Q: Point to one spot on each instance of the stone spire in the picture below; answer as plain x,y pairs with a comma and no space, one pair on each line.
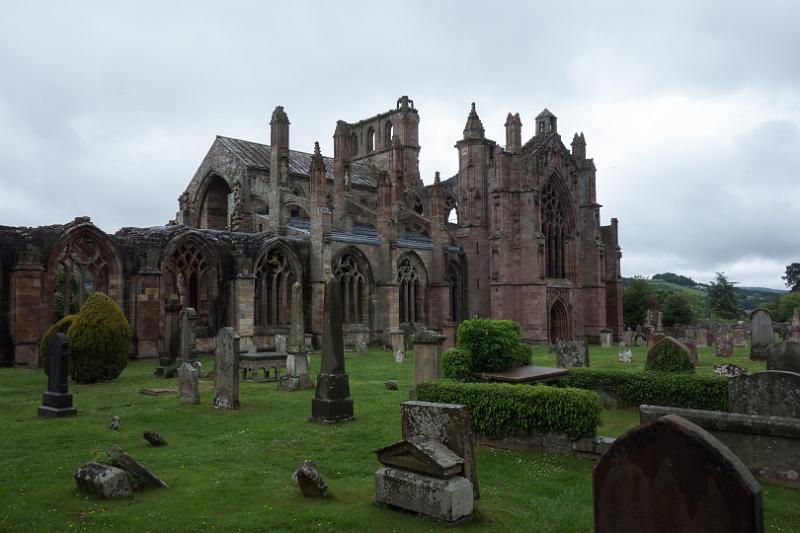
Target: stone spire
317,174
513,132
579,146
474,128
279,128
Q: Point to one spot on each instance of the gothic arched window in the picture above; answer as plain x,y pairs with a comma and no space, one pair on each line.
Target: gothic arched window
354,145
389,134
191,277
555,229
274,280
455,277
354,288
370,140
408,277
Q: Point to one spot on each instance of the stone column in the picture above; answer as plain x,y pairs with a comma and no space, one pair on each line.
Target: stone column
57,401
297,374
226,370
244,290
332,402
427,356
26,307
172,339
188,340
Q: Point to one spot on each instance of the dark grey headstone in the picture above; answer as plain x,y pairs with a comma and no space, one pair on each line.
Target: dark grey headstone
784,356
188,383
188,336
671,475
140,477
154,438
310,480
172,339
57,401
770,393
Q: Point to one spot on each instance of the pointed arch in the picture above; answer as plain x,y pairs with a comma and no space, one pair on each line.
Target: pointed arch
558,322
455,278
412,278
558,226
214,196
276,270
352,269
389,128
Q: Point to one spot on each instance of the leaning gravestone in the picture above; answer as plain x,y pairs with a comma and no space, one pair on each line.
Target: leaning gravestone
141,478
188,384
571,353
57,401
671,475
763,333
770,393
332,402
784,356
226,370
310,480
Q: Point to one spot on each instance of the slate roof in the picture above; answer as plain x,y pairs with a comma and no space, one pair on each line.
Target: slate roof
257,156
536,142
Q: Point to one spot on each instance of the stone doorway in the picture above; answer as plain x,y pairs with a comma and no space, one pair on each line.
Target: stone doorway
559,322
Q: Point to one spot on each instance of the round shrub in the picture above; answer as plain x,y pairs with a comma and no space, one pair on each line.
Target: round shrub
494,345
44,345
456,365
98,341
670,357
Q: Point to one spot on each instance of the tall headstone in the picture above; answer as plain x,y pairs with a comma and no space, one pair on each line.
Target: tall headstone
332,402
739,335
398,340
638,336
226,369
770,393
188,338
724,342
606,338
172,339
628,337
57,401
701,336
297,373
671,475
784,356
571,352
187,383
427,356
763,333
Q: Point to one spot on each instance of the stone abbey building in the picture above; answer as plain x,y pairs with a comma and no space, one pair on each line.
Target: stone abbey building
514,234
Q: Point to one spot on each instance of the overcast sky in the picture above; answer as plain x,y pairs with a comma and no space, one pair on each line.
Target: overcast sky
691,110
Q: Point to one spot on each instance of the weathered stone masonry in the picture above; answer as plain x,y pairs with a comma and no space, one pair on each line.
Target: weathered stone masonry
255,218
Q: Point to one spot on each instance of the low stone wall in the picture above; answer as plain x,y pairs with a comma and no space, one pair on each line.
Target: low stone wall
543,441
768,445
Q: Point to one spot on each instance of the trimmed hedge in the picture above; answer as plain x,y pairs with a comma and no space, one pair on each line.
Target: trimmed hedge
634,388
670,357
505,410
456,364
486,345
99,341
44,345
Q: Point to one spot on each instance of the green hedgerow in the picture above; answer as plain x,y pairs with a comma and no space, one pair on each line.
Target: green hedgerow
99,341
456,364
635,388
44,345
505,410
670,357
493,345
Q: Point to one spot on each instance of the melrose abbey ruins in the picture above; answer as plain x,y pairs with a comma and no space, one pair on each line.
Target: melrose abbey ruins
514,234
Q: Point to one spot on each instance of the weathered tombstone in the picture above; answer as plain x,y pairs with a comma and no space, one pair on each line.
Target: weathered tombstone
701,336
57,401
638,337
332,402
672,348
606,338
784,356
297,373
659,324
724,344
226,369
625,354
398,340
172,339
571,352
400,356
762,335
188,340
106,481
628,337
141,478
187,383
769,393
154,438
427,355
446,423
671,475
739,335
361,348
310,480
280,343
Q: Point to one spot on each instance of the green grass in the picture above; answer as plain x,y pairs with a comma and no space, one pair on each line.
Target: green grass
231,470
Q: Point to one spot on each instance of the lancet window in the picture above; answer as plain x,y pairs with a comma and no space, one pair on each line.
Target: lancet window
408,277
555,228
274,280
354,288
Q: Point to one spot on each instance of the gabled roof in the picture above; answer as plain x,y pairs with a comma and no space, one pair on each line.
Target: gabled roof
425,456
256,155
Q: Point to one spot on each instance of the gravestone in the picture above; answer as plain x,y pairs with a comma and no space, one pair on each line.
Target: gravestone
671,475
724,344
606,338
172,338
226,369
762,333
625,354
739,335
692,345
310,480
280,343
638,337
188,339
427,355
794,328
188,384
628,337
784,356
571,352
297,373
675,346
141,478
701,336
106,481
769,393
332,402
398,340
361,348
57,401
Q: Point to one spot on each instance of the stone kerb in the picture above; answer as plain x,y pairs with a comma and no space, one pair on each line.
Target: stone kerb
769,393
784,356
671,475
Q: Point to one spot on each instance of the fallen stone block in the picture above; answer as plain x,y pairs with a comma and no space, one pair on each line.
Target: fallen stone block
103,480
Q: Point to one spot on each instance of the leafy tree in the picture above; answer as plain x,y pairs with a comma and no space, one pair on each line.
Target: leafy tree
678,309
722,300
792,276
637,298
787,303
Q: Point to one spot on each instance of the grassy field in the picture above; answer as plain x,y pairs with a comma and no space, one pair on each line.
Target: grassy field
231,471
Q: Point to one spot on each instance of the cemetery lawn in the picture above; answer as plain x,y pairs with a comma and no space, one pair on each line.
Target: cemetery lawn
231,470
